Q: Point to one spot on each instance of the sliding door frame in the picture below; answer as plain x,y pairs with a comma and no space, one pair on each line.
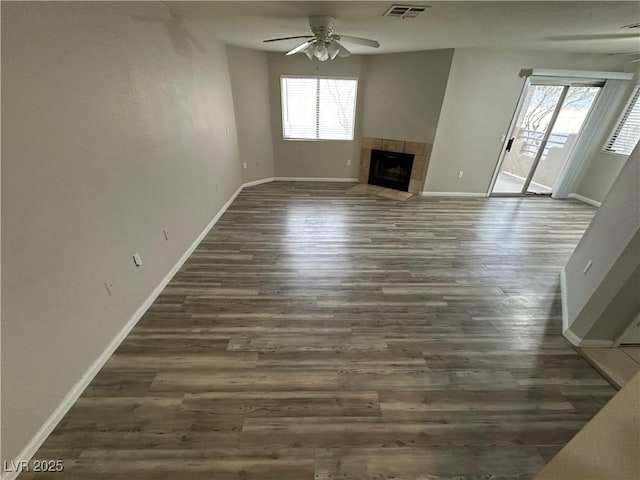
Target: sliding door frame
503,150
567,83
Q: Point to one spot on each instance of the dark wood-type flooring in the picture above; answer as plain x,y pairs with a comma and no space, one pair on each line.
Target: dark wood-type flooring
322,334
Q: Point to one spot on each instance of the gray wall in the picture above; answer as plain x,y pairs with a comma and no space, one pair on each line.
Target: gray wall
399,96
323,158
110,134
603,168
403,94
612,243
480,98
599,175
249,72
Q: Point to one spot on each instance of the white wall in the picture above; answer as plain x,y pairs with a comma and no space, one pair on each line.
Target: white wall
249,71
480,99
110,134
403,94
612,243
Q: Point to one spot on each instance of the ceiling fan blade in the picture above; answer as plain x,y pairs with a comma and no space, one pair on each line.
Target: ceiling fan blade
287,38
342,52
301,47
360,41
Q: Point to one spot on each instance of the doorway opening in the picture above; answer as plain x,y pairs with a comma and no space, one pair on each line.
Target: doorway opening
547,125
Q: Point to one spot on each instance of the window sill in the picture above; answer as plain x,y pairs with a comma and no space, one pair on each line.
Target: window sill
614,154
316,139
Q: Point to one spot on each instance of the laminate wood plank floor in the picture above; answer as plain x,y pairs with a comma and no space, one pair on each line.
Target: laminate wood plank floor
318,333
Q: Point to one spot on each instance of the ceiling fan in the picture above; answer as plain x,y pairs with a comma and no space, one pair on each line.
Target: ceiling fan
324,44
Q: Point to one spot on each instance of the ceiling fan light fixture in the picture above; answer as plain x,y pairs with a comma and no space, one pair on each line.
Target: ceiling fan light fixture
333,49
321,52
309,51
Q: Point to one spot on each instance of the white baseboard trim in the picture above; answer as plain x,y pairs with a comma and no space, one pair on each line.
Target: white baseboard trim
596,343
577,341
574,339
314,179
258,182
563,301
454,194
571,337
585,199
70,398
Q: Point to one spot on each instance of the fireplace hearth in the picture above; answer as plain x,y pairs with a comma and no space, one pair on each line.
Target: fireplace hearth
390,169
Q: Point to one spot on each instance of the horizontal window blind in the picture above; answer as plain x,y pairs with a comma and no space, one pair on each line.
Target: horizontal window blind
318,108
625,136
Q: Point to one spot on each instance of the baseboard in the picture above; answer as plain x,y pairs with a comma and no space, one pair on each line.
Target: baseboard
314,179
258,182
574,339
588,200
577,341
586,343
453,194
72,396
563,303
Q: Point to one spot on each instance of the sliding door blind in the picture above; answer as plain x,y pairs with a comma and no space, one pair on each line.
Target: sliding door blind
318,108
625,136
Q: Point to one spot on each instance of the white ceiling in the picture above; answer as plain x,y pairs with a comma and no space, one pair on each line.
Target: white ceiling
590,27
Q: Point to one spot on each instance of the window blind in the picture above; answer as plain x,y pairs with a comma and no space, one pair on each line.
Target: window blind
625,136
318,108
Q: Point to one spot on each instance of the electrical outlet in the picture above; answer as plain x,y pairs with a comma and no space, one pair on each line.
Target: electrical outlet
227,131
587,266
217,187
460,174
349,163
109,286
166,235
244,165
137,260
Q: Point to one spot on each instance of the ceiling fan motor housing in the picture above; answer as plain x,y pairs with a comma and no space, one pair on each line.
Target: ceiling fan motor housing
321,26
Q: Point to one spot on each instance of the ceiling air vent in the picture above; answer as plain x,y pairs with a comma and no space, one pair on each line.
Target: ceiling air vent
405,11
631,26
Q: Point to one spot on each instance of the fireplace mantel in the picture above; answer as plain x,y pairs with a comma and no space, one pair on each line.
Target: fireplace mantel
420,150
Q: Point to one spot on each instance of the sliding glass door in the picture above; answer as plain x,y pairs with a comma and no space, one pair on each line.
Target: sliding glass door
547,126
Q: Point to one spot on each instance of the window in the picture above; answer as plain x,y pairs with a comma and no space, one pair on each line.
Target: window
318,108
624,137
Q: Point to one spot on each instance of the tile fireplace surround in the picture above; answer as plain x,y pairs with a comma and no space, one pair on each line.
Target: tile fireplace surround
421,152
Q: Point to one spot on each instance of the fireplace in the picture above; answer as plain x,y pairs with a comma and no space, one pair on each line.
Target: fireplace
390,169
418,151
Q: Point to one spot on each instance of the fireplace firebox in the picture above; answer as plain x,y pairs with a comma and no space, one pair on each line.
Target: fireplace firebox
390,169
